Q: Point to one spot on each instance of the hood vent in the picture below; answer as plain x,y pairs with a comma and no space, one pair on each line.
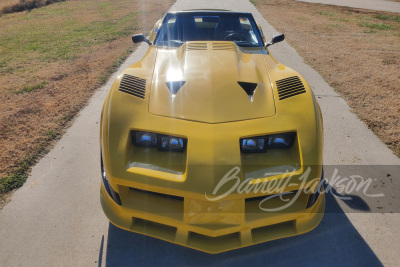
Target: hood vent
174,86
290,87
224,46
133,85
195,46
249,88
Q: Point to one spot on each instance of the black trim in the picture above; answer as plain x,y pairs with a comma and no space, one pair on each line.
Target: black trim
314,196
157,194
114,195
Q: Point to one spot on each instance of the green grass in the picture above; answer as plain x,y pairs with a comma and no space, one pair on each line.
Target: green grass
253,2
386,17
324,13
377,26
30,88
18,177
65,39
339,19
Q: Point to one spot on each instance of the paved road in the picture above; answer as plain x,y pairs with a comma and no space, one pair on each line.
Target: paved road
381,5
55,218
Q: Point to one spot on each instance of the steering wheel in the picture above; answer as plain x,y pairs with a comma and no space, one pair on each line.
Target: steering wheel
235,36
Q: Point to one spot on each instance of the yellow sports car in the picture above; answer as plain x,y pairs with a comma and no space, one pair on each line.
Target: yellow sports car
208,142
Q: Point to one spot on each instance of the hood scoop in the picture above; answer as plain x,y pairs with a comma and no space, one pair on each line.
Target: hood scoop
249,88
174,86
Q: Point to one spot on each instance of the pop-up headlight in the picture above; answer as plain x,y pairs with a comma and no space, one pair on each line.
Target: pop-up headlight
144,139
172,143
253,145
260,144
281,141
161,141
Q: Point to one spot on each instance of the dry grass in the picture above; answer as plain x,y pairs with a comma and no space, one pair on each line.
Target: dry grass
4,3
356,51
24,5
51,61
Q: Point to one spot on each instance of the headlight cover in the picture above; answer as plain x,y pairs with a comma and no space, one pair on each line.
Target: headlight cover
161,141
260,144
281,141
144,139
253,145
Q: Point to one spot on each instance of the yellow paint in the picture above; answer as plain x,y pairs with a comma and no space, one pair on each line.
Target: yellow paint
212,112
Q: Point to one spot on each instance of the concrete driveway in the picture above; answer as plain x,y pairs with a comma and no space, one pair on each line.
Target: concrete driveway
381,5
55,219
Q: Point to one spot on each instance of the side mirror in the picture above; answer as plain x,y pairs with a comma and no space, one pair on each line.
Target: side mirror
276,39
138,38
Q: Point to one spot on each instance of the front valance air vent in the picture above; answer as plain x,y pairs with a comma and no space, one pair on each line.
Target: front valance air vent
133,85
289,87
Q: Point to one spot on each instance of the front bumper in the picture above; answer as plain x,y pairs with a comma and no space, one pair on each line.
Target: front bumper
211,226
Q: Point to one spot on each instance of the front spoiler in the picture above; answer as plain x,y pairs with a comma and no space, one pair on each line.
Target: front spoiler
235,229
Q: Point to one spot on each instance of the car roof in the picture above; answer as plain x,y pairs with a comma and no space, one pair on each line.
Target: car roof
207,10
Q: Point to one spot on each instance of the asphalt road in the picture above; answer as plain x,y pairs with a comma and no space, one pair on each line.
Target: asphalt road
55,219
381,5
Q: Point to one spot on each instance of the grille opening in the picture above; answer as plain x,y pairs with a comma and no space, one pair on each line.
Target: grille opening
274,231
157,194
260,198
214,244
289,87
154,229
133,85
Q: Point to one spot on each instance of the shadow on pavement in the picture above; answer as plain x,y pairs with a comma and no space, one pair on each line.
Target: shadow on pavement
334,242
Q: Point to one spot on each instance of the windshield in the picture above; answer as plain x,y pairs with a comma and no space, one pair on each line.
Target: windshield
178,28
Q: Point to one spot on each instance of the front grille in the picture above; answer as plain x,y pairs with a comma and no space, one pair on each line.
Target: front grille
133,85
290,87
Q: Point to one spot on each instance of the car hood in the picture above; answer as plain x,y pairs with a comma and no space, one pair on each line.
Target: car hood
199,81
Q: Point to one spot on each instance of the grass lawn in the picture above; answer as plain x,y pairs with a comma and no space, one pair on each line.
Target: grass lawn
51,61
357,52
